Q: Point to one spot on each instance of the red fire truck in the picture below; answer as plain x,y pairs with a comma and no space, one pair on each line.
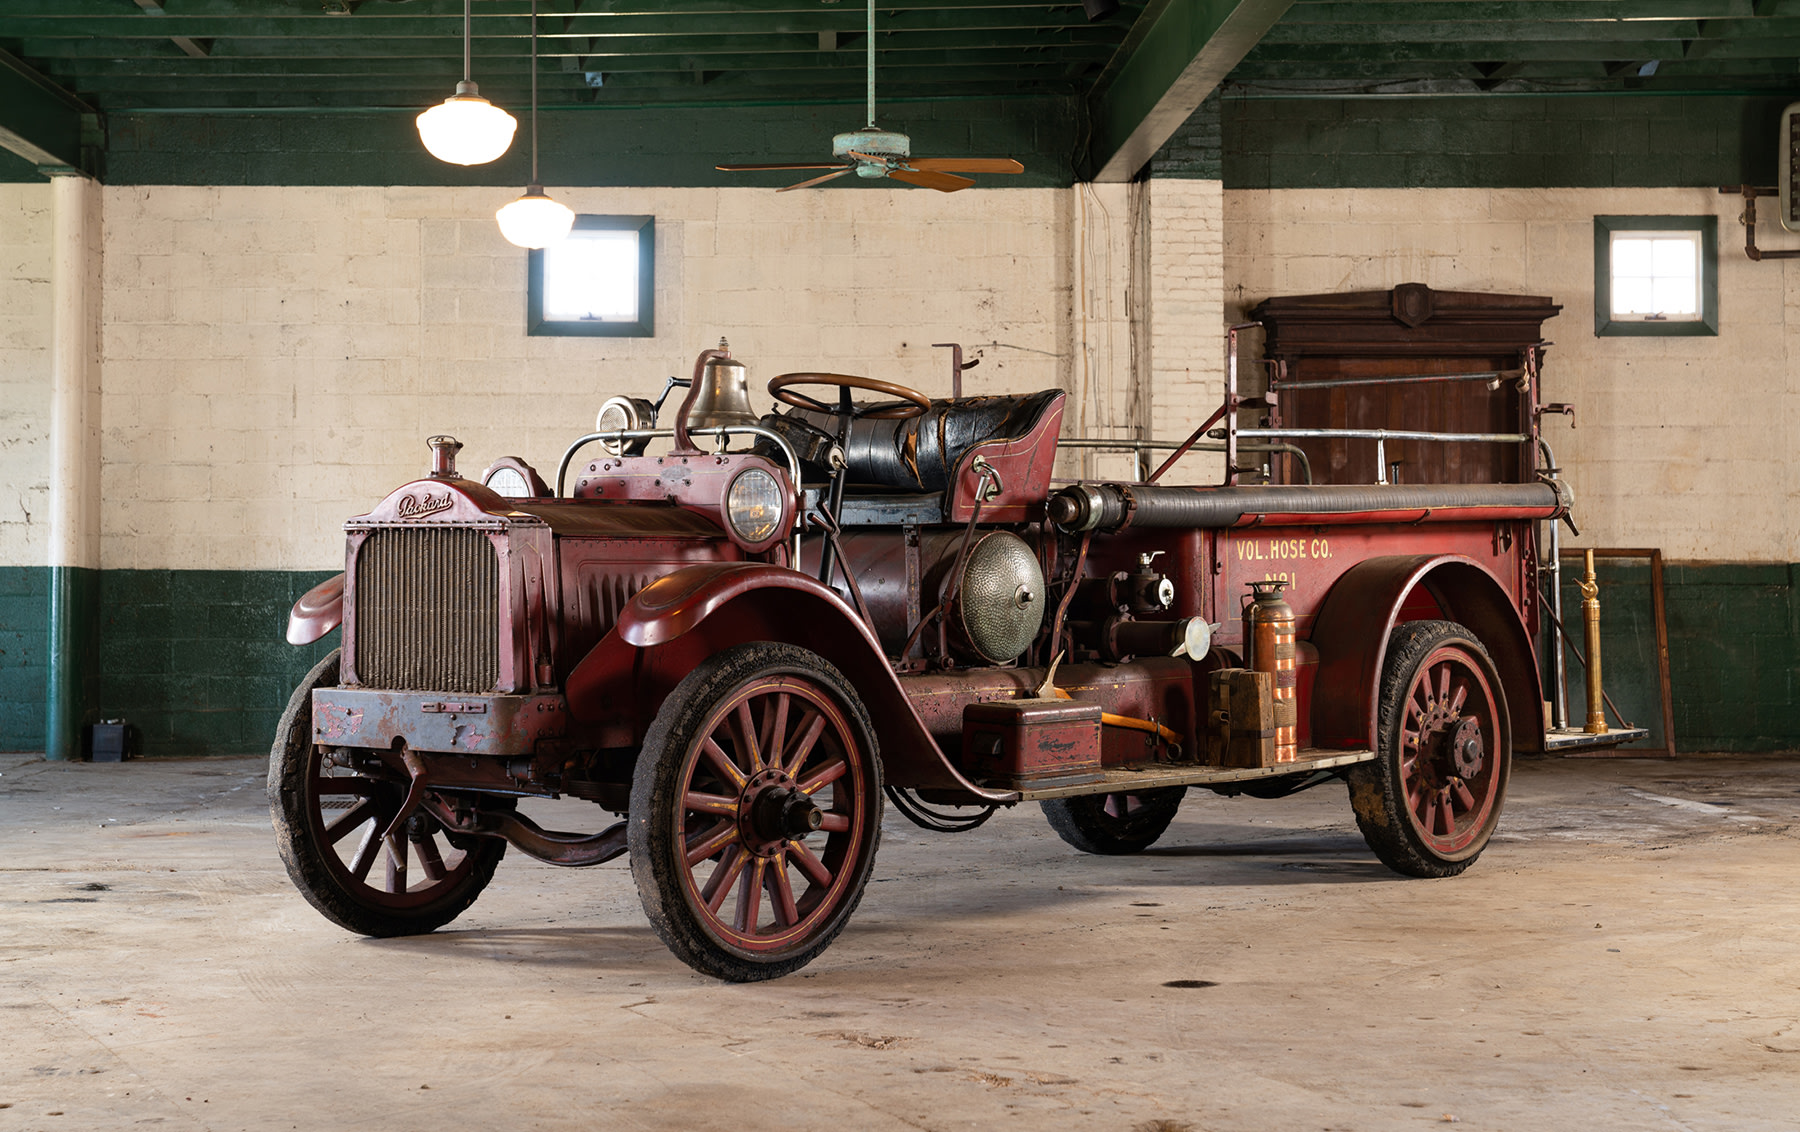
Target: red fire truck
741,634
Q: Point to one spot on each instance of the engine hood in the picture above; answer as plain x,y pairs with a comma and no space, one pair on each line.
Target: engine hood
462,503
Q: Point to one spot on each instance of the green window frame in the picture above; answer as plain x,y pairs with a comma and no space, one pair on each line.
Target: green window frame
642,321
1704,321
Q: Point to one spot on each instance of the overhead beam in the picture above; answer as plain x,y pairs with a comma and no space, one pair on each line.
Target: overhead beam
39,120
1186,48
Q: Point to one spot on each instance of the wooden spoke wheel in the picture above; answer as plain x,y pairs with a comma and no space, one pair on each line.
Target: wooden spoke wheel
1430,801
1114,824
755,812
329,821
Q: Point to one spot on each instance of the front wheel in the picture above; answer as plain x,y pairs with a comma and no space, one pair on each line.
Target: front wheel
329,821
755,812
1430,800
1114,824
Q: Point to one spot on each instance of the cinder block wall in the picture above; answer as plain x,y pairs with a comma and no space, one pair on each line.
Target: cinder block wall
24,459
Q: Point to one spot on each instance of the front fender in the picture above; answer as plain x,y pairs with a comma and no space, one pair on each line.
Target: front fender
1353,625
675,622
318,612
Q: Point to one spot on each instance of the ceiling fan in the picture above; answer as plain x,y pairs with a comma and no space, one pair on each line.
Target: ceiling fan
872,153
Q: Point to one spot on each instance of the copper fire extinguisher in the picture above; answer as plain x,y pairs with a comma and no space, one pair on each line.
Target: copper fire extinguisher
1270,631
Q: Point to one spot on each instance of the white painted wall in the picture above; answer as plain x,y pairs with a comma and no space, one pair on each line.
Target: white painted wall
24,374
273,358
1683,443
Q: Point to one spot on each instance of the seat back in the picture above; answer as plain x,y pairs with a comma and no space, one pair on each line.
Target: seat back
921,454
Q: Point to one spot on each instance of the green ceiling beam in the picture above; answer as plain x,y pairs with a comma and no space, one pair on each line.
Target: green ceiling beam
39,121
1488,30
1783,70
1459,11
1488,51
843,18
487,10
47,50
1183,51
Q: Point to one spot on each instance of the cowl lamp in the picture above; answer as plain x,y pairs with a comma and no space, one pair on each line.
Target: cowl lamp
466,129
534,220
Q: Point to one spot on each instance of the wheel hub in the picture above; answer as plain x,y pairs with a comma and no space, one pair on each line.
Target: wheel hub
1467,752
774,811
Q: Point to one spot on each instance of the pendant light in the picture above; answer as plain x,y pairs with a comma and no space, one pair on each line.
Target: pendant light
534,220
466,129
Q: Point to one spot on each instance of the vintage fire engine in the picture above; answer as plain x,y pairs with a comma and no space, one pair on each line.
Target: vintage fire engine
740,645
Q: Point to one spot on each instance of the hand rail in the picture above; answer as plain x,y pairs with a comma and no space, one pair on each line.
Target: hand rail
1138,446
1380,436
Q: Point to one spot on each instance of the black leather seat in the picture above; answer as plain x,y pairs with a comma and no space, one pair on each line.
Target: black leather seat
919,454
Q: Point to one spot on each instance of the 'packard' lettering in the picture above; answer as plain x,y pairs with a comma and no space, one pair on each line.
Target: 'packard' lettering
417,507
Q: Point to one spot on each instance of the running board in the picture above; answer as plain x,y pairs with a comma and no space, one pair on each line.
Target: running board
1150,778
1574,739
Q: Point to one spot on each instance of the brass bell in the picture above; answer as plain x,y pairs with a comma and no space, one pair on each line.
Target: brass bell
724,396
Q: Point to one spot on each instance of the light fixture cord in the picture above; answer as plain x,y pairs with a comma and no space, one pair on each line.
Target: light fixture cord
871,38
534,167
468,7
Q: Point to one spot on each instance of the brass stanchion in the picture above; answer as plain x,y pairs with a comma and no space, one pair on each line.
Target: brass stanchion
1590,616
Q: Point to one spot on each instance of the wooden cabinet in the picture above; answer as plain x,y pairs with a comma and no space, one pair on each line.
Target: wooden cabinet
1410,359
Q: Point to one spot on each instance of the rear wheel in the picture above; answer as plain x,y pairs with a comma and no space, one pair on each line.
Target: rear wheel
755,812
1430,801
329,821
1114,824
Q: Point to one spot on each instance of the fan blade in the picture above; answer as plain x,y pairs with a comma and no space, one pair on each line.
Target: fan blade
743,168
816,181
942,182
967,165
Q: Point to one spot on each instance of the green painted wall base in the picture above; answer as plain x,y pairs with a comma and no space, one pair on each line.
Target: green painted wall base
196,659
1734,652
24,653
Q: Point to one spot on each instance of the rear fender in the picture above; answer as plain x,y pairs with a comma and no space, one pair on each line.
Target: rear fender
1359,614
318,612
679,620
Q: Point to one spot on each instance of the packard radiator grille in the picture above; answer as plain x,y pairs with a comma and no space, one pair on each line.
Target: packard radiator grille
428,610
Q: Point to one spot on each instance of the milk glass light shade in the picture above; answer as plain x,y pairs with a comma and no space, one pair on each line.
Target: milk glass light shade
466,129
534,220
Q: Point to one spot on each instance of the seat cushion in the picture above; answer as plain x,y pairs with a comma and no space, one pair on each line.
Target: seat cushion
919,454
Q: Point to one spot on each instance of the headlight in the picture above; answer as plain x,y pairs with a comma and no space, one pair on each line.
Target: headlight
754,506
625,414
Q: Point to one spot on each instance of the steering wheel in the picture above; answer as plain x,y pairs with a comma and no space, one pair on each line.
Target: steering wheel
910,402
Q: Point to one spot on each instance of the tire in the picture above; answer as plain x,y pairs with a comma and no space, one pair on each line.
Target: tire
333,876
1114,824
1430,800
716,826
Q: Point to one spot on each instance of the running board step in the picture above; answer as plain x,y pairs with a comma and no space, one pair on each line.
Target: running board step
1149,778
1574,739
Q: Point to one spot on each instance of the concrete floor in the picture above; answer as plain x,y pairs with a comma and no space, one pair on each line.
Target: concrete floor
1625,956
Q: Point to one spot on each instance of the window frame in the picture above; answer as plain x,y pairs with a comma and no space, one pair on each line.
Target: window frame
536,325
1606,326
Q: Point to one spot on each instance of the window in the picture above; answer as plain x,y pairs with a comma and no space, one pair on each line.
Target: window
1656,275
599,281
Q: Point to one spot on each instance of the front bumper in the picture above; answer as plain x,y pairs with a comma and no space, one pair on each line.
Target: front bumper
437,721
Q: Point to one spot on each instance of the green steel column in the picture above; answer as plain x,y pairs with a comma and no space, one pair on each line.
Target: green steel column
72,701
